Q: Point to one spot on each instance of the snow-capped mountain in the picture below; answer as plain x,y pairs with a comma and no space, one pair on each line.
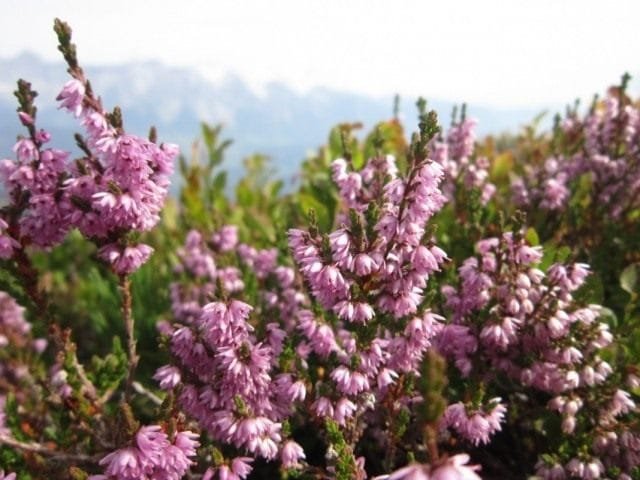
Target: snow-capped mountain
278,122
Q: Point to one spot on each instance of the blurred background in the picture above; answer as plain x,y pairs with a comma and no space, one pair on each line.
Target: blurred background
279,74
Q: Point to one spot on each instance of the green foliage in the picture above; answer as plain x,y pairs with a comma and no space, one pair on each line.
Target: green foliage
341,454
432,382
629,279
203,192
107,372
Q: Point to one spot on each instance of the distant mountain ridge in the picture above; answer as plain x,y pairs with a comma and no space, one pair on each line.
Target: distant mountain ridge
281,123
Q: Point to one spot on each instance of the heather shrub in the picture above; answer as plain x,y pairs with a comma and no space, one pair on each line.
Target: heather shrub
438,306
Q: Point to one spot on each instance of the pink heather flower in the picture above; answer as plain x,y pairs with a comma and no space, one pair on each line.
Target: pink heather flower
364,264
26,150
476,426
226,238
424,261
125,260
414,471
239,469
25,119
12,318
59,381
621,403
456,468
345,409
553,471
323,407
151,442
265,441
39,345
71,96
124,464
187,441
153,456
42,136
528,255
348,382
7,244
297,391
241,466
291,455
168,377
357,312
7,476
386,377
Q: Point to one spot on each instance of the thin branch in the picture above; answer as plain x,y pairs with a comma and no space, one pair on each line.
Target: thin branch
89,388
49,452
28,276
139,388
129,325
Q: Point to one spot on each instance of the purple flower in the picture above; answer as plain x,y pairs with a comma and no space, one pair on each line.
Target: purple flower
291,455
168,377
153,456
226,239
349,382
456,468
414,471
124,464
7,244
125,259
477,426
72,96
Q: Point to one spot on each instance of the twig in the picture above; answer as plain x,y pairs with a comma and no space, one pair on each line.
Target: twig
431,441
28,276
42,450
129,325
139,388
89,388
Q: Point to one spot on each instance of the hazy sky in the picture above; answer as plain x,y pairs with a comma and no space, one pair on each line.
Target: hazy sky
500,53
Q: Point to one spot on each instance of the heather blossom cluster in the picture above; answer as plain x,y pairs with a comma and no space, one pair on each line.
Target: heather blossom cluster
153,455
475,425
229,374
15,330
369,276
371,268
601,146
116,188
504,306
17,344
463,169
240,383
453,468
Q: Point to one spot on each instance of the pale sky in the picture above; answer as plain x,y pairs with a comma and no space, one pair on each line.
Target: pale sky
496,53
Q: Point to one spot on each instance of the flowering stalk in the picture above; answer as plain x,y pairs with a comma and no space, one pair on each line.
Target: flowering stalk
506,306
119,187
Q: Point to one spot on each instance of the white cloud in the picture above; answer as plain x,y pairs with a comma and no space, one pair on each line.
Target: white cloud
501,53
